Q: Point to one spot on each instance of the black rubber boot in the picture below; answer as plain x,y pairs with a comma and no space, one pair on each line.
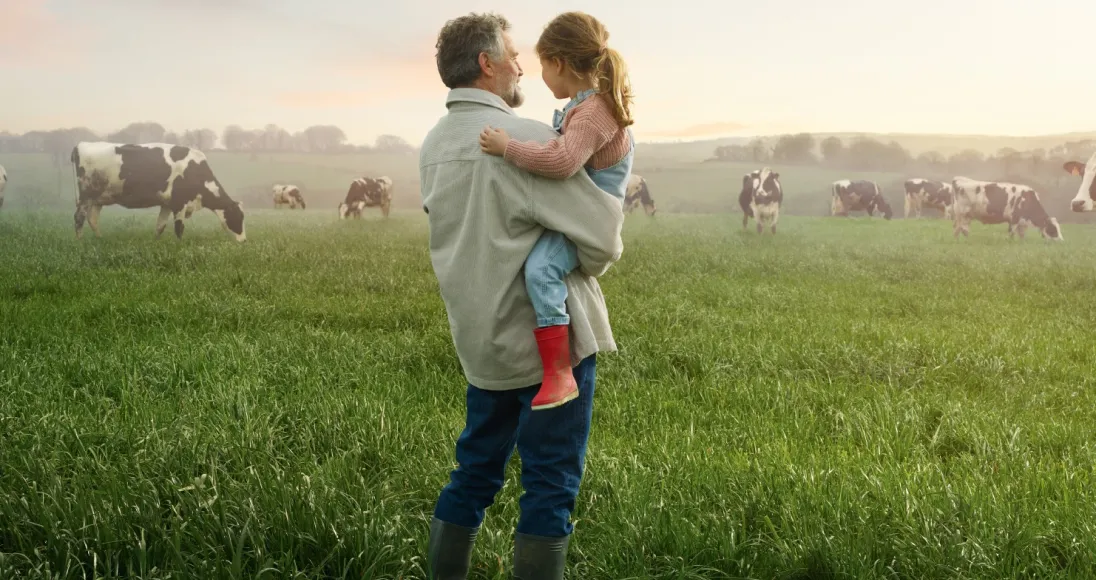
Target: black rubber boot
449,551
539,558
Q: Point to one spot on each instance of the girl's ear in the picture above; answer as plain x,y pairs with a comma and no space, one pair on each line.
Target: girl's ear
559,65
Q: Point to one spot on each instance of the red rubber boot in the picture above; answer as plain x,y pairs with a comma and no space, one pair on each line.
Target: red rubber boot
558,386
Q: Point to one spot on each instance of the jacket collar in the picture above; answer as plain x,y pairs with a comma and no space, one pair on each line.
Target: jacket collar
477,96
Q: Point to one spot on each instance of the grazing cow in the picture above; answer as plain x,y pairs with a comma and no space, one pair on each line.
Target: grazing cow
1085,200
288,195
858,195
761,198
637,193
994,202
367,192
926,192
176,179
3,184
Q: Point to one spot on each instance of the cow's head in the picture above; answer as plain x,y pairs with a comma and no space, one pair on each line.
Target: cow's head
1052,230
766,183
1030,208
232,218
882,206
1085,200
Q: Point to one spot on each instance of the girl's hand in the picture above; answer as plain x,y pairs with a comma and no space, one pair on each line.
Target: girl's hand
493,141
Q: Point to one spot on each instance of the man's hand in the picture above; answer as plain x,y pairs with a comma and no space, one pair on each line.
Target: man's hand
493,141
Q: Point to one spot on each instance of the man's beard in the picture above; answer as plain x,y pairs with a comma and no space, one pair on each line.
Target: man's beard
514,97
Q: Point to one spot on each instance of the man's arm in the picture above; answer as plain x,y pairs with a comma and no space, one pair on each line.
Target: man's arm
575,207
565,155
580,210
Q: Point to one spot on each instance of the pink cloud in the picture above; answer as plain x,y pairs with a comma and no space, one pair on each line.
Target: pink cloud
702,130
321,99
396,77
31,35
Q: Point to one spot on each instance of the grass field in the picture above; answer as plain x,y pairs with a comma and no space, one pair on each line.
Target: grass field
848,399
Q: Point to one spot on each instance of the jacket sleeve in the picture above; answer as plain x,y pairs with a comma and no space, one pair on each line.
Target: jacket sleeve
586,215
587,132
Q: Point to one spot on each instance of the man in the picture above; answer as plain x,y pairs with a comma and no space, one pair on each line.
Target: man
485,215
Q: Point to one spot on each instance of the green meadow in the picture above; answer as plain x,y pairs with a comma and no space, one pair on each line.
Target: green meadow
852,398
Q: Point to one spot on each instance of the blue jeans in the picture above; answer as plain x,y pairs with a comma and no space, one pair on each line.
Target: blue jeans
552,447
550,260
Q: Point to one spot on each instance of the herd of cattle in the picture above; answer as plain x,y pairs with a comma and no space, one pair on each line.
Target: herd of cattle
962,200
179,181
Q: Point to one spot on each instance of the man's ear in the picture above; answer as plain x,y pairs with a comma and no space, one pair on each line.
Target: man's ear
485,64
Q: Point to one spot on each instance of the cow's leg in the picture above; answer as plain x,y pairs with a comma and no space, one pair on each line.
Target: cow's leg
180,214
909,206
93,218
386,207
161,220
760,228
79,217
745,219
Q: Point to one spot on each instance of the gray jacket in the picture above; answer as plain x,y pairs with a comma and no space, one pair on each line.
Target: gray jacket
485,215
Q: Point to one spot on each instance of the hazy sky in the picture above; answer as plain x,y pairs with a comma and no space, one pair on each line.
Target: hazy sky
699,68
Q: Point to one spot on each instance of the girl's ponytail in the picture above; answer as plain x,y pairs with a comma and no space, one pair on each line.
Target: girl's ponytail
612,81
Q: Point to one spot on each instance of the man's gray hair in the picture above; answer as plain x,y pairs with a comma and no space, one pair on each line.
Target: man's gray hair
460,43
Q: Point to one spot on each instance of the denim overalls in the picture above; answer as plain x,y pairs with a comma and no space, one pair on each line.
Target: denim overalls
554,256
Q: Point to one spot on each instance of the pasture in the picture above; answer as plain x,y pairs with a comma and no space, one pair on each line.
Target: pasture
852,398
677,186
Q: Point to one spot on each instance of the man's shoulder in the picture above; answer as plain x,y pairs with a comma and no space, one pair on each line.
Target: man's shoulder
525,129
455,137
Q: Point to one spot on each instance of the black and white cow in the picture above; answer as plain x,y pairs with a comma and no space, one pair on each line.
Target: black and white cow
288,195
367,192
638,193
761,198
1085,200
176,179
995,202
3,184
928,193
861,195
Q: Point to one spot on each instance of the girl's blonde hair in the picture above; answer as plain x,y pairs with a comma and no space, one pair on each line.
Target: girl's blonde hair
580,41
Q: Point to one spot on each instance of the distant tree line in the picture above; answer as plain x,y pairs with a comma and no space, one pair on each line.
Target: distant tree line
867,154
269,139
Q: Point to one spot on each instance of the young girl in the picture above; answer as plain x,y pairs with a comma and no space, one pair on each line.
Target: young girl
576,64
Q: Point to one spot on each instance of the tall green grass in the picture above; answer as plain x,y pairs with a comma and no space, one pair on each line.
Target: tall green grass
851,398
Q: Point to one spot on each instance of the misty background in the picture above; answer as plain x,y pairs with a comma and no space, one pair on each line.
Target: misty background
931,90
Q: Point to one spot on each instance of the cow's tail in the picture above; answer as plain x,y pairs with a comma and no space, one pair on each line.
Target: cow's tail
75,159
